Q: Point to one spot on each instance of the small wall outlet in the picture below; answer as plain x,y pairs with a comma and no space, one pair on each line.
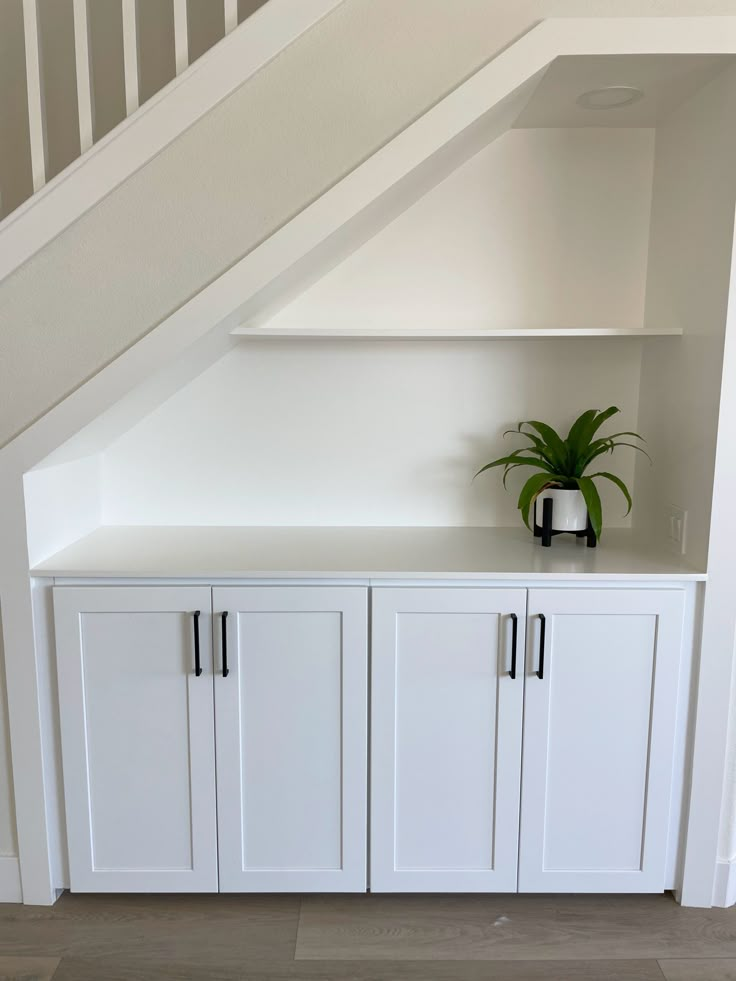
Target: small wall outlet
676,528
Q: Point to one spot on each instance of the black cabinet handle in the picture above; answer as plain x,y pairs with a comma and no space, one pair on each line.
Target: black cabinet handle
514,634
542,632
225,668
197,663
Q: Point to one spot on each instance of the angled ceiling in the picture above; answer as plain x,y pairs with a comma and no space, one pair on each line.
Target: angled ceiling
665,80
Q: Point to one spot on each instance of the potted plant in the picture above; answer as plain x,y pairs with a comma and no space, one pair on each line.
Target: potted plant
563,466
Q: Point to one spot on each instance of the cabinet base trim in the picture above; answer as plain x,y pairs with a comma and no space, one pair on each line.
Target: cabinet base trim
724,887
10,888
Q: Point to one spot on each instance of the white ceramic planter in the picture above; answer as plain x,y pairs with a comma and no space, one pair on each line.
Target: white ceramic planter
569,512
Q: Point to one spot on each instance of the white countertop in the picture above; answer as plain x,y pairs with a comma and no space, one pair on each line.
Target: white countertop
357,553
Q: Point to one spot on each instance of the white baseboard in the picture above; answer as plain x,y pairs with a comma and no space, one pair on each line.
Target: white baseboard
10,890
724,887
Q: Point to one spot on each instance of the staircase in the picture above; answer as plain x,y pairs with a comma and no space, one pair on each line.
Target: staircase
73,70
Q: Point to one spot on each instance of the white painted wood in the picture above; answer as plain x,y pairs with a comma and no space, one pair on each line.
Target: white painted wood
445,740
724,889
267,269
132,144
181,36
682,749
598,740
10,890
36,120
358,553
292,739
231,15
130,56
42,599
84,84
28,727
421,333
138,738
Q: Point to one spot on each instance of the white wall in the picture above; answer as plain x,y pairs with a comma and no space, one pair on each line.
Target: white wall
543,228
308,117
62,505
359,432
688,282
687,286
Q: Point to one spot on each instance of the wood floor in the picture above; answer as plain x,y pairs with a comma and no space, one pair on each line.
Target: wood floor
367,938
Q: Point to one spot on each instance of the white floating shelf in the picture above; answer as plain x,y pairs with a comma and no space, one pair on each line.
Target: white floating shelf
421,334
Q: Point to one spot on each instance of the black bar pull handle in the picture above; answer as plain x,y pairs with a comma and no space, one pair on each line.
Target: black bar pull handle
514,635
225,668
542,632
197,662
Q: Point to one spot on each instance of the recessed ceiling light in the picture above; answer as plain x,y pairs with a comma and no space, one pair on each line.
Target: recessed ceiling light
611,97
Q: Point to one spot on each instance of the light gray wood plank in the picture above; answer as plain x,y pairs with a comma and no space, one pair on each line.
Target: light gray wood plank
700,969
120,970
510,928
28,968
155,931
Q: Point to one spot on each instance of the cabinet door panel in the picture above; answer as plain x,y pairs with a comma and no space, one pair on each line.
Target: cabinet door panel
598,740
446,739
291,739
138,738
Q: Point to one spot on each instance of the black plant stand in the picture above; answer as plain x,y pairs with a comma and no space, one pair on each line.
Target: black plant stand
545,532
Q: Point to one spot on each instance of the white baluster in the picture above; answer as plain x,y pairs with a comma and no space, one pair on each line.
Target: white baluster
231,15
130,56
36,114
84,85
181,36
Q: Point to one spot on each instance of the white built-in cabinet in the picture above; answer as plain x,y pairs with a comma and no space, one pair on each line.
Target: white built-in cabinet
151,804
597,690
600,705
217,738
291,725
138,737
447,703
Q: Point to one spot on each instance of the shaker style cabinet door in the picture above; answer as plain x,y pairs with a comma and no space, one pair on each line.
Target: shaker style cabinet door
291,723
599,717
137,729
447,695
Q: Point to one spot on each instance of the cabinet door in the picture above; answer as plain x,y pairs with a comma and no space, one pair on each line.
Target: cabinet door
292,738
446,739
598,739
137,731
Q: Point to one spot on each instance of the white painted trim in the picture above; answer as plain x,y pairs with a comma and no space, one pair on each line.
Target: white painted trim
181,36
724,889
84,84
716,647
10,890
231,15
130,56
161,120
408,333
36,117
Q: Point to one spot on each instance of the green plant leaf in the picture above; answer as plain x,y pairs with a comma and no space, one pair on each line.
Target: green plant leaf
526,463
592,502
619,483
531,489
513,458
576,438
554,447
538,445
